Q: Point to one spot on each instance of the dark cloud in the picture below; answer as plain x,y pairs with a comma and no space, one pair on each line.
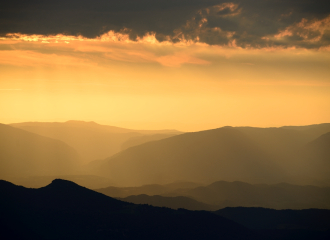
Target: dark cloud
253,23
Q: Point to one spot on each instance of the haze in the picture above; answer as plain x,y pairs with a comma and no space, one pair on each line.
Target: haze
203,69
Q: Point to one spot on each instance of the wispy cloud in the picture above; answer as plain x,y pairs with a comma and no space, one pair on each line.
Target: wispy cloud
78,51
247,23
66,50
312,33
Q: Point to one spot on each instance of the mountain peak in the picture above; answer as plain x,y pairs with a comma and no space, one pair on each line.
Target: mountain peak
62,183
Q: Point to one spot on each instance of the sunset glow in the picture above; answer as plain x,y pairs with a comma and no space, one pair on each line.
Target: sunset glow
186,84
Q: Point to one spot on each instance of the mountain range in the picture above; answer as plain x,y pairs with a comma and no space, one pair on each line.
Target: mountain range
253,155
24,154
152,189
223,194
65,210
91,140
296,155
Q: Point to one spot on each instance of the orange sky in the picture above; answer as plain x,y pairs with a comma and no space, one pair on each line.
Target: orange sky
146,84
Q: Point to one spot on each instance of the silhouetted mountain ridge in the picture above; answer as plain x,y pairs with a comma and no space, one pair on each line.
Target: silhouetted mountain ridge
222,194
277,196
62,184
170,202
89,181
64,210
150,189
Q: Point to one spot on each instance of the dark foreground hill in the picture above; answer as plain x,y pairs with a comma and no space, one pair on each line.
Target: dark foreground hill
282,224
264,218
23,153
64,210
88,181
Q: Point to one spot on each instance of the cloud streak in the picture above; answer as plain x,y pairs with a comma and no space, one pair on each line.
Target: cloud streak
61,50
244,23
65,50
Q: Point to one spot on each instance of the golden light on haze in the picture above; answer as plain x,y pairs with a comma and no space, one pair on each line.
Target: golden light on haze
147,84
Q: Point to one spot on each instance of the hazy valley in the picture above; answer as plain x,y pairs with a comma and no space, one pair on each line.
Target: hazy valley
229,172
296,155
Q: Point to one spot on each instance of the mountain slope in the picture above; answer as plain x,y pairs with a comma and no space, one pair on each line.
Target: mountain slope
37,181
138,140
23,153
285,143
118,192
316,158
91,140
224,153
152,189
277,196
64,210
263,218
223,194
170,202
313,131
255,155
282,224
320,147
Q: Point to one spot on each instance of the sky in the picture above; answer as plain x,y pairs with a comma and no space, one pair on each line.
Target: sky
155,64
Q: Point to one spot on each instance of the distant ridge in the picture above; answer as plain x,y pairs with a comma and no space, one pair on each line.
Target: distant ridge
91,140
91,124
277,196
247,154
151,189
205,156
223,194
23,153
316,156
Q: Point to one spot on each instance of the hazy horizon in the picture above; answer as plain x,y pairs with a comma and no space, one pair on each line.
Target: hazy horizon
164,126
